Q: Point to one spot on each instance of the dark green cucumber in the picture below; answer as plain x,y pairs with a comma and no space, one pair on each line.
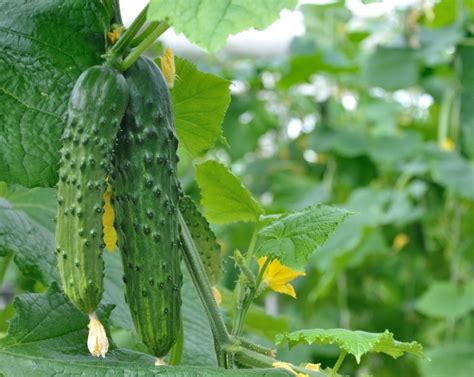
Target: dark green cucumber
146,194
204,238
96,108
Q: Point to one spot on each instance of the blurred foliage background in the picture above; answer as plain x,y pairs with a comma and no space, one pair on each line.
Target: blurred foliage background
371,114
375,115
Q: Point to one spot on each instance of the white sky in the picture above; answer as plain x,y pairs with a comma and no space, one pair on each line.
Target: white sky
274,40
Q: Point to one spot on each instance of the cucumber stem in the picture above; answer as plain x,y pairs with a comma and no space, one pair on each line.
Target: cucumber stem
136,52
145,33
203,287
124,41
252,359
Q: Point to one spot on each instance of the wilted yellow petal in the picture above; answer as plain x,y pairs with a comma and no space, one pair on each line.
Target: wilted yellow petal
114,35
217,295
159,361
447,144
283,365
97,341
400,241
315,367
108,219
167,67
277,276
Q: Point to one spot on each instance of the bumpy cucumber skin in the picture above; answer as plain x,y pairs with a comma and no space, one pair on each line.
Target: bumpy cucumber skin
204,238
96,108
146,194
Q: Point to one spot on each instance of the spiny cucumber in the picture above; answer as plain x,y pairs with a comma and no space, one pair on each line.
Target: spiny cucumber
146,193
95,110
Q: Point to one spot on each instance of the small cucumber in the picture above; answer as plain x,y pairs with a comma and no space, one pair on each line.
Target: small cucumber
204,238
96,108
146,194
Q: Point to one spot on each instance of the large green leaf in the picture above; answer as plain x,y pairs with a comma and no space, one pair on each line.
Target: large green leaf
208,23
32,243
48,337
45,46
223,197
200,101
446,300
357,343
293,238
27,229
391,68
449,359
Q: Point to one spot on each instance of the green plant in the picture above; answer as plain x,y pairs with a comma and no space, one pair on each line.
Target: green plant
355,154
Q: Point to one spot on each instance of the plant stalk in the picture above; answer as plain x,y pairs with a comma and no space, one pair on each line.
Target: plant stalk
145,33
201,282
136,52
124,41
339,361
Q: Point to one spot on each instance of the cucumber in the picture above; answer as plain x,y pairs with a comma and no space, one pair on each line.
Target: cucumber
95,110
204,238
146,192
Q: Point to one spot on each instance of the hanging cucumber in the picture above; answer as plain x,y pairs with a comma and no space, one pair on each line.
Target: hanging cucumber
96,108
146,192
204,238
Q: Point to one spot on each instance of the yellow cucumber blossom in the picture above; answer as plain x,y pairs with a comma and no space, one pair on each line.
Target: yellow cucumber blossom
167,67
313,367
108,218
277,276
115,34
97,341
447,144
217,295
283,365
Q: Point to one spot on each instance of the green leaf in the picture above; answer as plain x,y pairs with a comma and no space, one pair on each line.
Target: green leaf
391,68
198,341
449,359
22,217
223,197
204,238
295,237
208,23
456,174
48,337
114,291
357,343
447,300
45,46
200,101
32,243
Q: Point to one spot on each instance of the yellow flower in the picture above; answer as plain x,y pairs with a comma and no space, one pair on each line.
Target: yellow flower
314,367
283,365
108,218
277,276
400,241
447,144
217,295
97,341
114,35
167,67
